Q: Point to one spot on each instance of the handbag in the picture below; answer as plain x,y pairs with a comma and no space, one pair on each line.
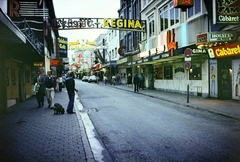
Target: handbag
36,87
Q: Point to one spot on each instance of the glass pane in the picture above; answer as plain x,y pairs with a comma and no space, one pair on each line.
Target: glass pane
197,5
172,16
177,15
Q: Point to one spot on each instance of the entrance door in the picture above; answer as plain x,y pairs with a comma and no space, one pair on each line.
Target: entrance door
22,92
225,79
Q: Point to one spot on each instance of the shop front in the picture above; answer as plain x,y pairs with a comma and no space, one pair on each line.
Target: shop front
225,71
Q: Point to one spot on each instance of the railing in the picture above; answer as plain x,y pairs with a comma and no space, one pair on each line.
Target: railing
31,36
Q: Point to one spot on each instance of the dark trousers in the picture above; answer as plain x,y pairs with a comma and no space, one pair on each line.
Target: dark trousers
40,98
141,84
60,87
71,102
135,87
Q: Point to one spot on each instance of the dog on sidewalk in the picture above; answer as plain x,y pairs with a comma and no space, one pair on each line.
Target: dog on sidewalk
58,109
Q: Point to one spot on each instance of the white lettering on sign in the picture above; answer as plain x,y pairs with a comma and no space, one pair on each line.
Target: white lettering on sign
203,51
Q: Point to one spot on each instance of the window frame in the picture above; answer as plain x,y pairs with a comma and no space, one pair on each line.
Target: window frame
194,75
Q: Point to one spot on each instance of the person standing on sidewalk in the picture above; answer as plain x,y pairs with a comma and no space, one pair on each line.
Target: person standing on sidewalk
141,81
70,85
135,82
40,80
50,82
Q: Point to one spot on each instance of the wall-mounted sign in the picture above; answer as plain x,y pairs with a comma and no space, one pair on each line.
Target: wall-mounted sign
183,3
226,11
63,47
202,38
199,51
99,23
227,50
170,41
222,36
38,64
56,62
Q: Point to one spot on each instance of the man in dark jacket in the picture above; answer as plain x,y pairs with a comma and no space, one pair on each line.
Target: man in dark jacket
135,82
40,92
50,83
70,85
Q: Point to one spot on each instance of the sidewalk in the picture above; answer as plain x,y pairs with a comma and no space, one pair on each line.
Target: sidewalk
228,108
28,133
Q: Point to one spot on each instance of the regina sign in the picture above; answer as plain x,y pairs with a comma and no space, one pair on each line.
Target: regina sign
99,23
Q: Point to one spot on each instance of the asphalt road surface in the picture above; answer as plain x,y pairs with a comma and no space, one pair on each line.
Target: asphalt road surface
138,128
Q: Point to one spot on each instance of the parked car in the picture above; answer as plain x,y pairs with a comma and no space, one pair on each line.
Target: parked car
92,78
85,78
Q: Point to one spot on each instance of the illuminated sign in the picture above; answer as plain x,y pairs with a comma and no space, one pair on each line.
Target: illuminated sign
38,64
227,50
63,47
226,11
56,62
99,23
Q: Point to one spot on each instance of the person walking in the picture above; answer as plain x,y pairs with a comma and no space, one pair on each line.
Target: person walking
105,79
59,83
50,83
141,81
135,82
70,85
129,80
39,82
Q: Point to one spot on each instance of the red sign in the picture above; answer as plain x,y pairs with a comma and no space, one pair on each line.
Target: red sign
183,3
227,50
170,40
188,52
202,38
56,62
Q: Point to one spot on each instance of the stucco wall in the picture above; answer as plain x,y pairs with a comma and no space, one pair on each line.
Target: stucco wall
180,81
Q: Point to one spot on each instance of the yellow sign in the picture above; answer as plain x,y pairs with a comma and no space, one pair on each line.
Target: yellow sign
122,23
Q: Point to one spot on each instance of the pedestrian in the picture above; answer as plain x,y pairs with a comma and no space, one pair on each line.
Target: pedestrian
50,83
63,80
105,79
135,82
129,80
40,91
59,83
141,81
70,85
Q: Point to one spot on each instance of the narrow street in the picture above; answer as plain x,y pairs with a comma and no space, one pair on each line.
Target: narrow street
136,127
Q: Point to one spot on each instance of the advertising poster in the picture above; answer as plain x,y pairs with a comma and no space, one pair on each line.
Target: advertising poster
213,78
236,79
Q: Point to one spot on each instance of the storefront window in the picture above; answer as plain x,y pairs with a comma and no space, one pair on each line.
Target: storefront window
195,72
168,74
159,72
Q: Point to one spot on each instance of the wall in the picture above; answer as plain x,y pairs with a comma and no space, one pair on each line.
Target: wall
180,81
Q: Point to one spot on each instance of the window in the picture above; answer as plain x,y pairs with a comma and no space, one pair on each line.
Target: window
168,17
151,25
195,9
129,42
168,74
159,72
163,18
174,15
112,54
115,52
195,72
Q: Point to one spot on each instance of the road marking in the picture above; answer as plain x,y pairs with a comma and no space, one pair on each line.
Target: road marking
95,144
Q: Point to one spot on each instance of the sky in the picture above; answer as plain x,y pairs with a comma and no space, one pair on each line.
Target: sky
86,9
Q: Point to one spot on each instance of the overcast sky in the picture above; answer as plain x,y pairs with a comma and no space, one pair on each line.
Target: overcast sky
86,9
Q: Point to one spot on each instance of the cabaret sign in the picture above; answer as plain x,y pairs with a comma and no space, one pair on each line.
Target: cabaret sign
227,50
99,23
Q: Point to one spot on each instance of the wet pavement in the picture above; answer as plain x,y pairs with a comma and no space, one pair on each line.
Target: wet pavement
28,133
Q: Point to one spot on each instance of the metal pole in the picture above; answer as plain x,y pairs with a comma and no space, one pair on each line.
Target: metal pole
188,93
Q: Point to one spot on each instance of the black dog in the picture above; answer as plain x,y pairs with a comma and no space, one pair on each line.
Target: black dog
58,109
